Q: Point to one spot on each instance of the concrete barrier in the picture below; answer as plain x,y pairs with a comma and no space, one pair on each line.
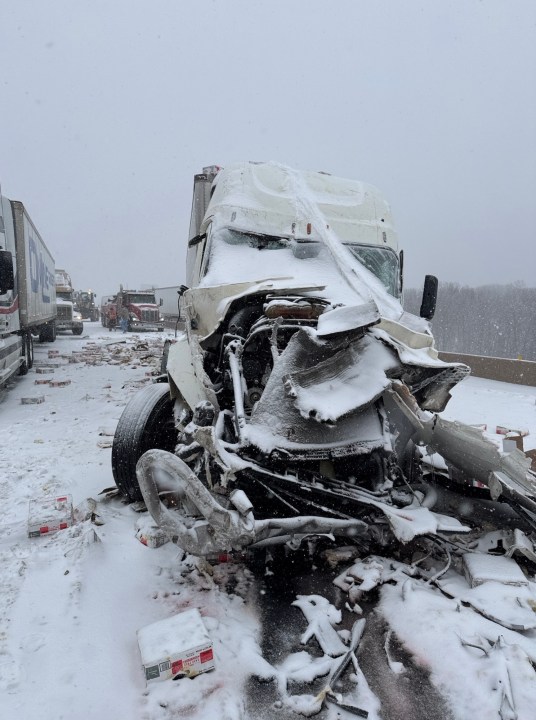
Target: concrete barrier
519,372
170,322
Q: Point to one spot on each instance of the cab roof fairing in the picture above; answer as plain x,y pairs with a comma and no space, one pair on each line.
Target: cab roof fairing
268,198
267,191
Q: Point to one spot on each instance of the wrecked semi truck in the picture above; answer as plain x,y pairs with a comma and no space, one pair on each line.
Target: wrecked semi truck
27,293
301,398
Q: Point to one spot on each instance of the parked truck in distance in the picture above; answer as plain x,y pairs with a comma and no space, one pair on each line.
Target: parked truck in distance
85,303
68,318
143,310
27,291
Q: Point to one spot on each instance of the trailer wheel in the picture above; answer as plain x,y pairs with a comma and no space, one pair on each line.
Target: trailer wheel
29,350
27,354
48,332
146,424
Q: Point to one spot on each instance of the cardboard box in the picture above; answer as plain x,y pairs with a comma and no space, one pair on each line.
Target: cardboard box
49,514
150,534
176,647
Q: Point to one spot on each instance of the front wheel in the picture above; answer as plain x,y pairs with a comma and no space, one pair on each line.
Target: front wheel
146,424
78,330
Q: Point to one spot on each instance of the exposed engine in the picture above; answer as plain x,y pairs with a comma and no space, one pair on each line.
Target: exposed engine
300,403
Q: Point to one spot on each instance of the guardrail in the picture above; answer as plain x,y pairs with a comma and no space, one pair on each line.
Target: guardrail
519,372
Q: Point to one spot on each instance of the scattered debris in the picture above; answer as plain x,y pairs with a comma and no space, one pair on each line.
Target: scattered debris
321,616
176,647
395,666
86,510
32,400
44,370
110,492
337,555
360,578
502,663
504,430
109,432
509,541
59,383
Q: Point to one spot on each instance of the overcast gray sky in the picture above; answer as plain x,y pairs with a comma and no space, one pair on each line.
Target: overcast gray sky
107,109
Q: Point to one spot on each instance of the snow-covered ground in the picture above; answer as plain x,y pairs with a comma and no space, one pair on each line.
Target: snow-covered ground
71,602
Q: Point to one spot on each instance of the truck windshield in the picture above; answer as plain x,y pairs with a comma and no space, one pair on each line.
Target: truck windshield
140,298
64,295
383,262
252,256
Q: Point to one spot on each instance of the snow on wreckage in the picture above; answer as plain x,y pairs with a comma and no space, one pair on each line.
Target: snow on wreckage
303,403
297,398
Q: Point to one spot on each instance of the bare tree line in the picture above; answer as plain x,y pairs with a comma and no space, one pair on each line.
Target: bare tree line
493,320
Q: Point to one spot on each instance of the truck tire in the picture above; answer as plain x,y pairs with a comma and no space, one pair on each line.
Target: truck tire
48,332
78,330
29,350
146,424
26,354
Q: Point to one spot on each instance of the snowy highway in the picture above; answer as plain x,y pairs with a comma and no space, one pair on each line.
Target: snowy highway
71,602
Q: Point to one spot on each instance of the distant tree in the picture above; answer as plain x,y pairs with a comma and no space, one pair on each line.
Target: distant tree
492,320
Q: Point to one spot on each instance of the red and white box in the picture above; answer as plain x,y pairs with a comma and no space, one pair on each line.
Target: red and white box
49,514
150,534
177,647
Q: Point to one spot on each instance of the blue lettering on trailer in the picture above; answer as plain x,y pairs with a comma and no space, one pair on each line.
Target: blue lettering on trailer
40,276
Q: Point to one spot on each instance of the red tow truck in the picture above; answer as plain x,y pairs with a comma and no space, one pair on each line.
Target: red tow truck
144,313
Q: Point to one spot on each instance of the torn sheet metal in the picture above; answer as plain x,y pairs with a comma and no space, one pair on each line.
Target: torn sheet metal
352,378
511,606
280,420
510,541
468,454
321,615
347,318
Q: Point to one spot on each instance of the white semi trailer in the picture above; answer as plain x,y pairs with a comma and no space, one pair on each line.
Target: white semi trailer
27,290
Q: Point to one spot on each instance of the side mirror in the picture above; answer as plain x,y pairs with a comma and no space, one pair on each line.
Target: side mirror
429,297
180,292
401,271
161,302
7,279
